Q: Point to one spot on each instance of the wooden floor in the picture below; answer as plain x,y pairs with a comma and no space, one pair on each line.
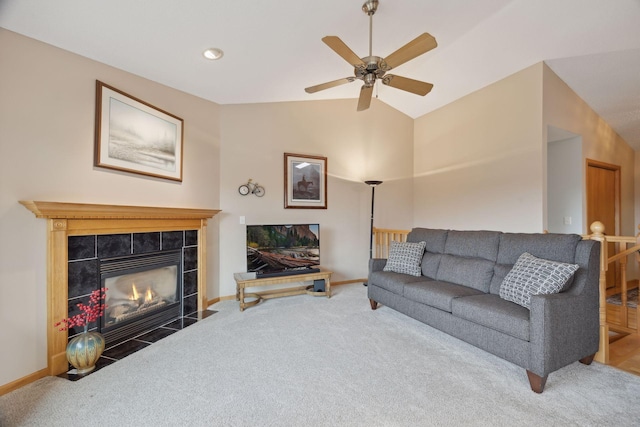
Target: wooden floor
624,353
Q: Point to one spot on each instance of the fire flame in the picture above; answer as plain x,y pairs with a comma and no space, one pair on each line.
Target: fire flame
148,295
134,292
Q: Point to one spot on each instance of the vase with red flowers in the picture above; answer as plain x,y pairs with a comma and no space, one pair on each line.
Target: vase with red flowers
84,350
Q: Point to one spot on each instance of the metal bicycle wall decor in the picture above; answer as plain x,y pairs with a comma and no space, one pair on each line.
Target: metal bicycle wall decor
251,188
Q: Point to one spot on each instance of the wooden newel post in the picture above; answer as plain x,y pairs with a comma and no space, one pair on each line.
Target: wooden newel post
597,230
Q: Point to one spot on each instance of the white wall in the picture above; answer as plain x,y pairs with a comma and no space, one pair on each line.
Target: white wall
47,105
374,144
565,172
478,162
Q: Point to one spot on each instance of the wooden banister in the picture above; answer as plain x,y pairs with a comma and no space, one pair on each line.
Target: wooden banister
382,238
611,317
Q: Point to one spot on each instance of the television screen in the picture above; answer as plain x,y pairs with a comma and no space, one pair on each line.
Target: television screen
282,249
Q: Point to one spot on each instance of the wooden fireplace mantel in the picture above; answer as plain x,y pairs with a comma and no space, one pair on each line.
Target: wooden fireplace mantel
76,219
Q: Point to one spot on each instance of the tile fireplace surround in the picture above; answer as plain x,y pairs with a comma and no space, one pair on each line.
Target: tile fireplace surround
77,219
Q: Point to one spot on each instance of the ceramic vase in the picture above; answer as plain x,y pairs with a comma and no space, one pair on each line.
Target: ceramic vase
84,350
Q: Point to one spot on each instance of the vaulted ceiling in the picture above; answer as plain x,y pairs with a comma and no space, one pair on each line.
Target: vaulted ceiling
273,49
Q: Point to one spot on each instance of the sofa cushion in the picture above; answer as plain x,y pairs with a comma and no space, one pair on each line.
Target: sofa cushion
435,239
392,282
476,244
437,294
472,272
534,276
430,264
554,247
495,313
405,257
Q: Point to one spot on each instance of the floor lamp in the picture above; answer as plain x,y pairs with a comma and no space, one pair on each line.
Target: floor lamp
373,185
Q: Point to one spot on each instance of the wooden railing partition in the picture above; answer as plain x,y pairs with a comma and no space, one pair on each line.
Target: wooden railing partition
617,318
382,238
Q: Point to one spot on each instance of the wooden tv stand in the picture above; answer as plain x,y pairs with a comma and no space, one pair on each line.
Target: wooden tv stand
242,282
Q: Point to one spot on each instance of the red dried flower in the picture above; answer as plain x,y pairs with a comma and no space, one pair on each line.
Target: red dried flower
90,313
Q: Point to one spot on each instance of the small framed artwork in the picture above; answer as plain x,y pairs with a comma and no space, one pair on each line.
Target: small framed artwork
134,136
305,181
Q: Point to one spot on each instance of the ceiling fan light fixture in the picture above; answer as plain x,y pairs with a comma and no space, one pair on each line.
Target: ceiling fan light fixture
213,53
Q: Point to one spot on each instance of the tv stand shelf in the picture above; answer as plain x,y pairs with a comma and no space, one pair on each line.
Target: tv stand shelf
242,283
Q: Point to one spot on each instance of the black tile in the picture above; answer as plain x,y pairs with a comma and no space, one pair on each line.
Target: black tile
83,277
190,305
156,335
125,349
191,238
113,245
172,240
180,323
81,247
201,315
146,242
190,282
190,258
101,363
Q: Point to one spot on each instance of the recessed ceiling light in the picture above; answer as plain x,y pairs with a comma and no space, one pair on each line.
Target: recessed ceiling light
213,53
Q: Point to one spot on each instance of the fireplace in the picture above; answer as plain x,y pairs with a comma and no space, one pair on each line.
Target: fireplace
143,292
66,274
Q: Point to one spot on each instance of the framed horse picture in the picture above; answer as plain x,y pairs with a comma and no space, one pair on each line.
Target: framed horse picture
305,181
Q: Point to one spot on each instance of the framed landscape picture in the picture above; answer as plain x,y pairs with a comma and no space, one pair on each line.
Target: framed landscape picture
134,136
305,181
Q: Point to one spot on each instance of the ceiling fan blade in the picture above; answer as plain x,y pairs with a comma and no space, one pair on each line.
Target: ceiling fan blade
365,97
343,50
327,85
410,85
416,47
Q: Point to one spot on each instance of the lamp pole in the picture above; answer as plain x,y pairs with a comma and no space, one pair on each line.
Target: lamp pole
373,185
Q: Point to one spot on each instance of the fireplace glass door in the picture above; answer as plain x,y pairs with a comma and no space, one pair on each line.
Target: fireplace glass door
143,292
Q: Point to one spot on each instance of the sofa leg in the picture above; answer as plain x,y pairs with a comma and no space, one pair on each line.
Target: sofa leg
373,303
587,360
537,382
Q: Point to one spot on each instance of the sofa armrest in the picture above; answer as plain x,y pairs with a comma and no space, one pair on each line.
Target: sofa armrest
564,327
377,264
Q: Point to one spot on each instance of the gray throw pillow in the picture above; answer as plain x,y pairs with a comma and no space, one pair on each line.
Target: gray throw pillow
534,276
405,257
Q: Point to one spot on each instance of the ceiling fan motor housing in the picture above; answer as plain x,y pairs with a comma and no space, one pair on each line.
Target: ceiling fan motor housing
370,7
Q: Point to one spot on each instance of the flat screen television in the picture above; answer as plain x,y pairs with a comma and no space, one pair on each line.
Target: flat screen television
276,250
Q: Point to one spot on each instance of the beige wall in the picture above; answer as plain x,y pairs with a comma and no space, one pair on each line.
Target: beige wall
564,109
478,161
47,104
374,144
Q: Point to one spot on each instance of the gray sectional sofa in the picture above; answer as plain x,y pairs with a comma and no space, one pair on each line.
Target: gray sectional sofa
458,284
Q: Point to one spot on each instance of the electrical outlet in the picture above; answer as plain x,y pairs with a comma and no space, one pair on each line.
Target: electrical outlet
567,220
242,219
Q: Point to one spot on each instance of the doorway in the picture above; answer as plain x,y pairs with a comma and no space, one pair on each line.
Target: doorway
603,204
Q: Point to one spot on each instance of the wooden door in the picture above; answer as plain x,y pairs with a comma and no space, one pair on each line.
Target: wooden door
603,204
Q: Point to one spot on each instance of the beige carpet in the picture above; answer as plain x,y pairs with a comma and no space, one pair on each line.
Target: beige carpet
313,361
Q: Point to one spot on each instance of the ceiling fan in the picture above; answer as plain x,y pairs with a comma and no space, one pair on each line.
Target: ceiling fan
371,68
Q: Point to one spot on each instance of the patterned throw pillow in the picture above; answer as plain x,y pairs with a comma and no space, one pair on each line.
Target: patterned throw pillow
405,257
534,276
